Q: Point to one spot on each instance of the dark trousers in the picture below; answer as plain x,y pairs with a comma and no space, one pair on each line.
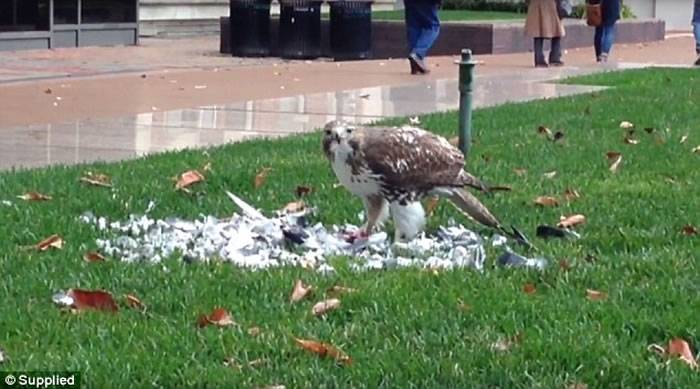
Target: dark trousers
603,39
422,25
554,52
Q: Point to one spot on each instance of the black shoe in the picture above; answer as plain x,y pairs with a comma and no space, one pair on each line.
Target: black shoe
541,65
414,68
418,64
697,61
556,63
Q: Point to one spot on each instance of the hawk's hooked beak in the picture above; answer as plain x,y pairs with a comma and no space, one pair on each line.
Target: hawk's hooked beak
336,137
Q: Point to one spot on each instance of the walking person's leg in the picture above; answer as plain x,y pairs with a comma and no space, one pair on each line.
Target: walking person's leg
607,41
539,52
597,42
555,52
696,30
413,28
426,13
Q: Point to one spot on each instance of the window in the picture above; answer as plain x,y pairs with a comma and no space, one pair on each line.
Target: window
24,15
108,11
65,11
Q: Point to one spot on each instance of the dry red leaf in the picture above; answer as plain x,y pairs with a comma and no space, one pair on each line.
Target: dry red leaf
571,221
93,256
188,178
680,348
34,196
300,291
689,230
323,350
571,194
134,303
53,241
595,295
546,201
218,317
96,179
261,177
529,288
294,206
303,190
92,299
325,306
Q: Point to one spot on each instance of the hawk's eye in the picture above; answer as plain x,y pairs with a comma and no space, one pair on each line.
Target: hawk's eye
349,130
328,132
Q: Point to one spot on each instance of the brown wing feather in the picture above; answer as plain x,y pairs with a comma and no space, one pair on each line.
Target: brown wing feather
414,159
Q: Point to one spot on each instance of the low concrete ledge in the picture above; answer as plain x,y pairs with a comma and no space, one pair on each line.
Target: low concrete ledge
389,37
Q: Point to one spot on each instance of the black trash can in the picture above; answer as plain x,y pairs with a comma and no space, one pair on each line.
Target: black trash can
250,28
351,29
300,29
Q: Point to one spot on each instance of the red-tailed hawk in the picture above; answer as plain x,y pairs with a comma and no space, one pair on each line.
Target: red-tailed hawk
392,169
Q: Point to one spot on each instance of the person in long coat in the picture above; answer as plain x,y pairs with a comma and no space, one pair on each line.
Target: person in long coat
604,37
543,23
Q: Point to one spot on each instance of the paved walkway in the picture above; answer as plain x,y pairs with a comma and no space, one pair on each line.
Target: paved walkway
75,105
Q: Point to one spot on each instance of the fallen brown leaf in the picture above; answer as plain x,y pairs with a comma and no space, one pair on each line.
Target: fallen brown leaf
48,91
542,130
300,291
571,194
614,160
294,206
696,150
337,290
684,138
34,196
218,317
323,350
92,299
134,303
93,256
96,179
564,265
559,135
626,125
546,201
680,348
53,241
595,295
630,140
689,230
303,190
261,177
188,178
325,306
431,204
529,288
571,221
520,171
551,174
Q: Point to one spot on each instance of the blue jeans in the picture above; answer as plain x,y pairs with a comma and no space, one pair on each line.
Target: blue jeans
422,25
696,25
604,39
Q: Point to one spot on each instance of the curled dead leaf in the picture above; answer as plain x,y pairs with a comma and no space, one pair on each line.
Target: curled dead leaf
303,190
431,204
133,302
96,179
54,241
680,348
325,306
625,125
188,178
300,291
81,299
542,130
34,196
546,201
571,194
93,256
323,350
338,290
551,174
218,317
630,140
261,177
571,221
564,265
696,150
689,230
683,138
614,160
529,288
595,295
294,207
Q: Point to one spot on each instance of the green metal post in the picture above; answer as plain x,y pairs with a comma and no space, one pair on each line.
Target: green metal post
466,86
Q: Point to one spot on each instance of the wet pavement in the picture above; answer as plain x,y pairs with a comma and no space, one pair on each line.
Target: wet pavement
104,113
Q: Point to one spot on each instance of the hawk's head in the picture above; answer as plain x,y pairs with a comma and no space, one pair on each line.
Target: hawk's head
336,137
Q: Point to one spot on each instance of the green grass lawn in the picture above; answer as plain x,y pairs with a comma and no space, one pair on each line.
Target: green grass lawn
402,328
453,15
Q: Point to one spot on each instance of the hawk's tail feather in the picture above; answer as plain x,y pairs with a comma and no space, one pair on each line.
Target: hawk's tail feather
471,207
